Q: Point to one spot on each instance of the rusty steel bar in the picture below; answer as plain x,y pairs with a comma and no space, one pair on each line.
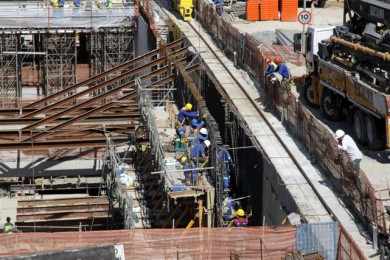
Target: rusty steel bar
78,118
90,80
101,85
89,101
91,89
385,56
57,115
86,142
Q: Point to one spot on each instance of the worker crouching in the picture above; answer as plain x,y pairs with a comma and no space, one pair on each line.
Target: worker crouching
240,220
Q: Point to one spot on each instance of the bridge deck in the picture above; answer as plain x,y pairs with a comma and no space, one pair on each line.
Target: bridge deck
308,203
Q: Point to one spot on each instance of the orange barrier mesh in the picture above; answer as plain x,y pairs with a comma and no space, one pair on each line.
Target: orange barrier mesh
216,243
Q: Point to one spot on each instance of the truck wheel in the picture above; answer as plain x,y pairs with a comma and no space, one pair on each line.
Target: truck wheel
359,126
331,105
308,93
375,140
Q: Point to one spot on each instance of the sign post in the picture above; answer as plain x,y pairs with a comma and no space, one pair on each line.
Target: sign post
304,17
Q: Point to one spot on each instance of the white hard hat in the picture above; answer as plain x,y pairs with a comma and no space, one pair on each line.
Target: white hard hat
203,131
207,143
339,134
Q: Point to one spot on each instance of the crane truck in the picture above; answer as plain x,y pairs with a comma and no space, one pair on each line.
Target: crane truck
349,70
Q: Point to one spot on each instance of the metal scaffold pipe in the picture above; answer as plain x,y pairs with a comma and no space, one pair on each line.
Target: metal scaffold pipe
385,56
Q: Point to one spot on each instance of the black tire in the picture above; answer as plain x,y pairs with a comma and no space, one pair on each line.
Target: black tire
375,135
331,105
308,93
359,126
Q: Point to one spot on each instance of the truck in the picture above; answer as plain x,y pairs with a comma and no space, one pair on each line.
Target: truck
349,71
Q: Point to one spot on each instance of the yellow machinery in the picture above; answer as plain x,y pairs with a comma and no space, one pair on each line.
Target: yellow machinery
184,7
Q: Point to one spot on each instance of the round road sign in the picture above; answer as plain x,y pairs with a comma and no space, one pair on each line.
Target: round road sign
304,17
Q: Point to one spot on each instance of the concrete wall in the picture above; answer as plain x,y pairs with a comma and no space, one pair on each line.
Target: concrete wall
277,201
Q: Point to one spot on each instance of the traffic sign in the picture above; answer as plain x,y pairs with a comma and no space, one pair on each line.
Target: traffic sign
304,17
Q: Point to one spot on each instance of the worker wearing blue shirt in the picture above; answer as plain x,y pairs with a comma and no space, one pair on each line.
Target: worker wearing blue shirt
186,113
282,68
198,151
201,136
271,67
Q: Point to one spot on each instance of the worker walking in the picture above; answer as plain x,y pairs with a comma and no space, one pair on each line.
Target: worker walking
240,220
347,144
8,227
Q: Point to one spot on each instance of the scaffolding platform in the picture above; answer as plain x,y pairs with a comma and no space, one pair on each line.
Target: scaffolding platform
37,14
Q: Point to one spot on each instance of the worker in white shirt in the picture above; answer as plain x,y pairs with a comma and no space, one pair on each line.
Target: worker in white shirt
347,144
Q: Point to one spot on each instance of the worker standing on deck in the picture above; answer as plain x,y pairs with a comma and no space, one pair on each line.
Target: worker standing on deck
199,153
190,175
202,136
347,144
8,227
185,114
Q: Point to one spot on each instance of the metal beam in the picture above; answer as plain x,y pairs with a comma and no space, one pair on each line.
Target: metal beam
90,80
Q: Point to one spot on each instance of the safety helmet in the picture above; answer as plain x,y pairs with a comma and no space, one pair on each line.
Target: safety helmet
195,123
278,60
183,159
339,134
203,131
188,106
240,213
207,143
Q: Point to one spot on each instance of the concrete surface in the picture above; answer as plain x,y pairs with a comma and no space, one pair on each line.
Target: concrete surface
297,185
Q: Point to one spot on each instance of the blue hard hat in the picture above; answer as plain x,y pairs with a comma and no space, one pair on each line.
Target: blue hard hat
195,123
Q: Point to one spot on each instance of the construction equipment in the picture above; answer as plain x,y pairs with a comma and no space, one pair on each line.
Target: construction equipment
349,71
184,7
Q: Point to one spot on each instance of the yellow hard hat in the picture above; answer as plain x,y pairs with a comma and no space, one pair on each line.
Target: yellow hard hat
188,106
183,159
240,213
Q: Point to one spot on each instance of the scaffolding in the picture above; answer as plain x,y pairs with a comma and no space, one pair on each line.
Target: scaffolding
45,49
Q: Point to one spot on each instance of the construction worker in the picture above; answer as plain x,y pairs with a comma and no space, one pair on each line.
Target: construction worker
199,151
228,209
271,67
202,136
240,220
8,227
347,144
190,175
197,123
282,72
185,113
